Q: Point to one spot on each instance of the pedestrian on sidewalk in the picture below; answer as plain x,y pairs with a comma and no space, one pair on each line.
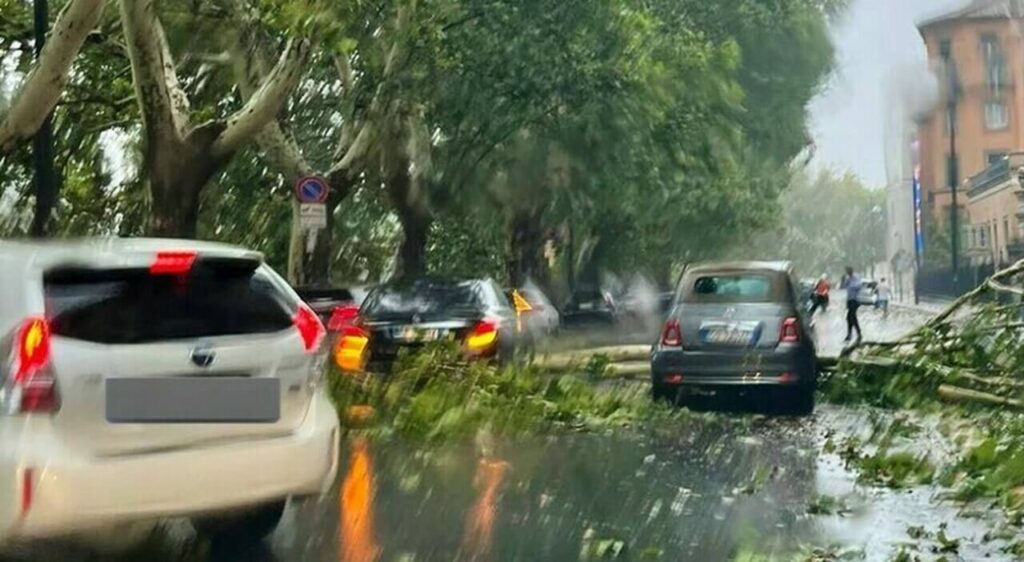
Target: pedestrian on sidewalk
853,285
883,293
819,299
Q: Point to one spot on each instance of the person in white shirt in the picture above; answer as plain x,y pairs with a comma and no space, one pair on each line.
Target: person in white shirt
883,292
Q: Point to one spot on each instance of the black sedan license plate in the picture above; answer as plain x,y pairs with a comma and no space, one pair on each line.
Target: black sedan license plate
193,400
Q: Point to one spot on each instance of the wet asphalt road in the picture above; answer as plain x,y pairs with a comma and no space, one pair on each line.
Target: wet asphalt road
722,487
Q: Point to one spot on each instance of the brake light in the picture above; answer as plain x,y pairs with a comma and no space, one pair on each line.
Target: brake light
31,386
350,353
671,334
790,331
482,336
172,263
27,481
342,316
310,328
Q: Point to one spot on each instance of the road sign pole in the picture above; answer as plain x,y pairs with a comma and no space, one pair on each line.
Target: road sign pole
311,192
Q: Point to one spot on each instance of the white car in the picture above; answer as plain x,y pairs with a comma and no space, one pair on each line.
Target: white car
144,379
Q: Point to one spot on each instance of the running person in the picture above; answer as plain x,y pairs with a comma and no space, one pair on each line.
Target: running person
819,298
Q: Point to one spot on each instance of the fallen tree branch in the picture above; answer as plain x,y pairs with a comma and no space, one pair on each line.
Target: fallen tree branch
629,369
957,393
991,381
615,354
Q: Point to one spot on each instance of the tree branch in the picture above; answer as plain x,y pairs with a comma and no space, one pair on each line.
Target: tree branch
263,105
45,83
162,102
250,65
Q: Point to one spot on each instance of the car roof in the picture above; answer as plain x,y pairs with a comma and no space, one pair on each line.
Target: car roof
112,250
779,266
436,281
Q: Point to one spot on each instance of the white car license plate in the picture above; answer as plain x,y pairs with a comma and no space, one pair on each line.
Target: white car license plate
193,400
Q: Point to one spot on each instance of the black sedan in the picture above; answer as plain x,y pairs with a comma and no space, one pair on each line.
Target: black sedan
328,302
405,316
737,326
589,307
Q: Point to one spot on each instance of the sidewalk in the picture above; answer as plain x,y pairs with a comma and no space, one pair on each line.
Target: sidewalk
926,305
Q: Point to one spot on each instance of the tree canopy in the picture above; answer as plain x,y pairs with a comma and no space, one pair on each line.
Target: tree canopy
457,136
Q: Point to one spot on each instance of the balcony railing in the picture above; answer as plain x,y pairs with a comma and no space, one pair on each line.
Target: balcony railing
995,175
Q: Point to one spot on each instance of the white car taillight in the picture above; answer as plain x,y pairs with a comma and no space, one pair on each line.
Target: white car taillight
30,386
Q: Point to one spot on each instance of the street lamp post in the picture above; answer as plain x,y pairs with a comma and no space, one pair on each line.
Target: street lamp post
42,143
953,172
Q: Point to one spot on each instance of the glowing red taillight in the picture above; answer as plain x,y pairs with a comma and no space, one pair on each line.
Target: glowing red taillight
483,336
310,328
790,330
31,385
671,334
27,482
343,316
172,263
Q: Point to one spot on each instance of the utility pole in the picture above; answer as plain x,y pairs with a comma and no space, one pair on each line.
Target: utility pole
952,96
42,143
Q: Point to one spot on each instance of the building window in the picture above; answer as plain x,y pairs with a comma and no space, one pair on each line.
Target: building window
982,239
994,157
996,116
995,69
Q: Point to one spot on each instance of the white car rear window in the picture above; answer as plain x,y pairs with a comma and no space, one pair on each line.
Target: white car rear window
131,306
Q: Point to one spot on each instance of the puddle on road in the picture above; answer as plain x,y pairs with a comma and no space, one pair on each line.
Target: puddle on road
704,495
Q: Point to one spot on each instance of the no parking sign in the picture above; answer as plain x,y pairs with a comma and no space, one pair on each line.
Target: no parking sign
311,189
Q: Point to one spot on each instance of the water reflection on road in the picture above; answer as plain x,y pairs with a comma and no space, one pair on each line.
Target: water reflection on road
356,539
701,496
719,486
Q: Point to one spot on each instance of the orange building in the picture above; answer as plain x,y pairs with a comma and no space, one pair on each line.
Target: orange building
983,43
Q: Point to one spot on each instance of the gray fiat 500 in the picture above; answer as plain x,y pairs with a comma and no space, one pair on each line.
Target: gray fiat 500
737,327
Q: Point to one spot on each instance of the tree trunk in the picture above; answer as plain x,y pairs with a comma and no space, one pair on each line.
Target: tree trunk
415,221
177,173
409,201
525,248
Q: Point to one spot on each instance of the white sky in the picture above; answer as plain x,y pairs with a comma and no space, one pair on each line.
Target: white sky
847,119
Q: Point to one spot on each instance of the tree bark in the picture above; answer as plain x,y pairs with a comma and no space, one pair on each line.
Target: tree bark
402,182
177,173
414,218
45,83
525,248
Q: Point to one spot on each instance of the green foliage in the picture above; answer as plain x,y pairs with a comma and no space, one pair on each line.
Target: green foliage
469,247
436,396
662,130
895,470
